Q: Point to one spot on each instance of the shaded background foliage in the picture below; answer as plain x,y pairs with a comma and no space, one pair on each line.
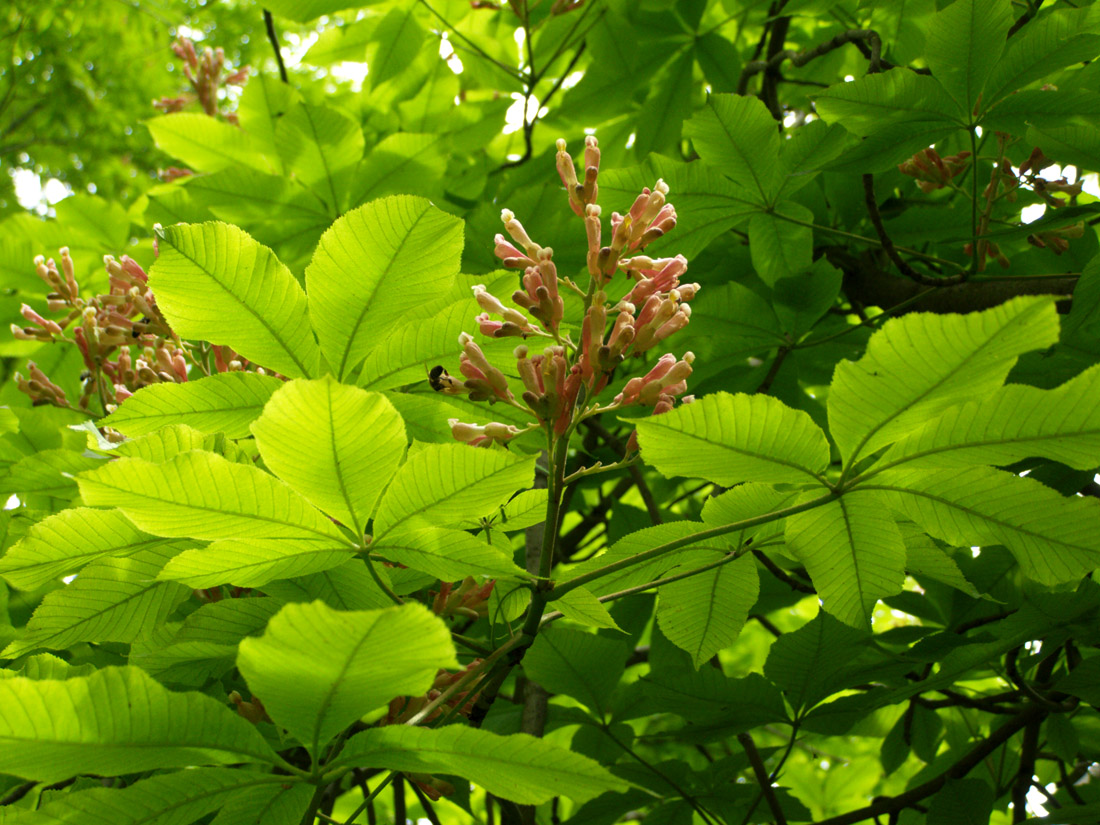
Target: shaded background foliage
801,256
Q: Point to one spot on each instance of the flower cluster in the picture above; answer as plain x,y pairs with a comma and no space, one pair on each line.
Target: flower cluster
931,171
560,381
469,599
123,338
206,73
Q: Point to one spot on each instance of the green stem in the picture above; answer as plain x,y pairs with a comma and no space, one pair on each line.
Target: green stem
722,530
380,582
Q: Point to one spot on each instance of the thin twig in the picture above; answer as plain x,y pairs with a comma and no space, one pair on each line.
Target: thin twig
781,574
799,59
762,777
269,22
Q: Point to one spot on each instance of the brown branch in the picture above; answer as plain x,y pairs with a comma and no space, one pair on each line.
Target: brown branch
1026,771
799,59
780,357
1024,18
762,777
781,574
273,38
974,757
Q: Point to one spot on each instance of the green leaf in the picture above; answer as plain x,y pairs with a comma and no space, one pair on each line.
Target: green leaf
319,144
854,554
302,11
404,162
337,446
285,804
249,562
962,802
728,439
964,41
181,797
517,767
111,600
1042,47
1017,422
345,42
737,136
372,267
661,118
578,664
411,350
174,439
66,541
747,501
816,660
1072,144
581,606
398,38
925,559
216,283
205,143
202,495
781,248
46,473
867,105
228,402
444,484
318,669
347,587
704,613
917,366
1055,539
448,555
114,722
720,61
802,300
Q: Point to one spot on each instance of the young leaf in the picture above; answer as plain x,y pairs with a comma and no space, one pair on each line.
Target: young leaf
728,439
853,551
917,366
114,722
1055,539
516,767
1017,422
317,670
66,541
704,613
248,562
581,606
202,495
335,445
112,600
444,484
372,266
216,283
227,402
964,42
448,555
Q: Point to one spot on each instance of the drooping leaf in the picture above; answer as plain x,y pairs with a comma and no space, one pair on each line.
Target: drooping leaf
853,551
317,670
448,555
728,439
372,266
215,283
202,495
1055,539
1017,422
578,664
917,366
444,484
704,613
113,722
111,600
335,445
227,402
66,541
516,767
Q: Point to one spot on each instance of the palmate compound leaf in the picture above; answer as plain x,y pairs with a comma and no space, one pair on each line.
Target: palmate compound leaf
336,445
116,721
964,42
227,402
372,266
255,562
1016,422
448,555
66,541
172,799
202,495
853,551
445,484
728,439
582,665
1055,539
704,613
919,365
317,670
112,600
516,767
217,284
